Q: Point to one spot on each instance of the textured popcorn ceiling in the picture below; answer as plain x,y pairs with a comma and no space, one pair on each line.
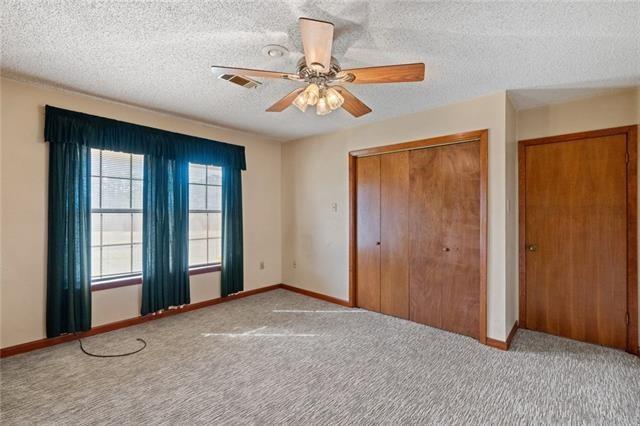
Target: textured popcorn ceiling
157,54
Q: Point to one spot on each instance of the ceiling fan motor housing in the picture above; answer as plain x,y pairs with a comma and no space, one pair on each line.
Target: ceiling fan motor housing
311,75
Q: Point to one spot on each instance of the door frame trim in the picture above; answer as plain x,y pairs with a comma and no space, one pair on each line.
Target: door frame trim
631,133
481,136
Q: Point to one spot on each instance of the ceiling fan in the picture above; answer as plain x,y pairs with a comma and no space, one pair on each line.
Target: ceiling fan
323,76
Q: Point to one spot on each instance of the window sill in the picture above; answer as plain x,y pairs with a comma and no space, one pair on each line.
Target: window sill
124,282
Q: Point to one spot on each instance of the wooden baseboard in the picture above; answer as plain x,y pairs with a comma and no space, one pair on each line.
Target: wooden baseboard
317,295
499,344
43,343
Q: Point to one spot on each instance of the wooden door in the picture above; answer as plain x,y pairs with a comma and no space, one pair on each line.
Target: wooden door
394,234
576,239
368,235
444,229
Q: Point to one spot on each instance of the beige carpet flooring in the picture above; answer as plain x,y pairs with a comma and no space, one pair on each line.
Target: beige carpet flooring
280,357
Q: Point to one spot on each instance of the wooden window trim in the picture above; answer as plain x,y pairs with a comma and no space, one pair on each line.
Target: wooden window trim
481,136
135,280
631,133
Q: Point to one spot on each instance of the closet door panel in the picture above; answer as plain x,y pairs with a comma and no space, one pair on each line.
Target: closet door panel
368,232
394,232
425,235
460,252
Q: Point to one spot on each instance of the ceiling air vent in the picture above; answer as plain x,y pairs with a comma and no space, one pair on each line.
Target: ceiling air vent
240,81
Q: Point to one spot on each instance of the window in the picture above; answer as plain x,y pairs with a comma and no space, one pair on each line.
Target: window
116,214
205,214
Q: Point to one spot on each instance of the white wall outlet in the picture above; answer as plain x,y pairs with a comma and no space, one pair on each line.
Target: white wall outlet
294,264
261,265
334,207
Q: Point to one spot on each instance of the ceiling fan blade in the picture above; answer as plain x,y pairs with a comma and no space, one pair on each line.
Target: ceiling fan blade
217,71
385,74
283,103
353,105
317,41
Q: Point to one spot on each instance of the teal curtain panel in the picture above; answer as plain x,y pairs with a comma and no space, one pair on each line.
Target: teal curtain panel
232,278
69,231
165,231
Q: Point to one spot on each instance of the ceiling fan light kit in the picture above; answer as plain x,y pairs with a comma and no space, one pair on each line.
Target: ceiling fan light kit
318,69
325,99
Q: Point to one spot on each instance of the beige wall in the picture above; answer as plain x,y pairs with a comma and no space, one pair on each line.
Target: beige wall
23,199
618,108
315,175
511,188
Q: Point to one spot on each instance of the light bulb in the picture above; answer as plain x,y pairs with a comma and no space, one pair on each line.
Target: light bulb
334,98
313,93
322,107
301,101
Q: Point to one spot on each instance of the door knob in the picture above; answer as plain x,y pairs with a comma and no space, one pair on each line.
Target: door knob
378,243
446,249
532,247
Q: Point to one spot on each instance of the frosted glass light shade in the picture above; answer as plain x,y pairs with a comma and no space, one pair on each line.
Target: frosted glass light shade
322,107
313,94
334,98
301,101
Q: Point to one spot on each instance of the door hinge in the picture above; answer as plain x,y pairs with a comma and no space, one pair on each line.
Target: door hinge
627,318
626,157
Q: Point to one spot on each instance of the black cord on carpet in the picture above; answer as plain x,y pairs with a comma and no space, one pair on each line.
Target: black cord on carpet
144,345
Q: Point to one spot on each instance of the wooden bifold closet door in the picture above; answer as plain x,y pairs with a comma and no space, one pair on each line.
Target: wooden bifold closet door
382,217
368,239
445,237
394,234
418,235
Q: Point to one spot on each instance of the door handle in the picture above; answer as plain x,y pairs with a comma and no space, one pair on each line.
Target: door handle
378,243
446,249
532,247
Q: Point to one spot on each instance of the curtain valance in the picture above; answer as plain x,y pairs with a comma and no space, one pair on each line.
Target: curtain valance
64,126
